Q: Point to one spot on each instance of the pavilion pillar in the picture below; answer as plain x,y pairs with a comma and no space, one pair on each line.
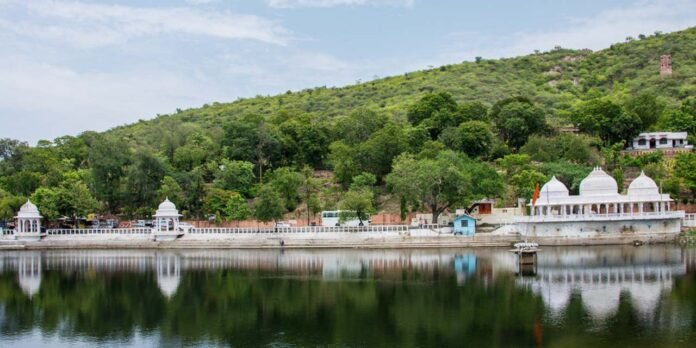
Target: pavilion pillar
640,208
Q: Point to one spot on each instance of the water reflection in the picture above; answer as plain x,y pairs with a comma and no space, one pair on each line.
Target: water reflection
600,295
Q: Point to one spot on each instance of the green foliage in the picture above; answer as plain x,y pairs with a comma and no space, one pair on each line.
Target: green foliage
142,181
268,205
47,199
525,182
235,176
607,120
287,183
170,188
642,160
216,201
569,147
107,158
9,204
236,208
516,119
647,108
357,204
685,168
363,181
515,163
473,138
443,182
359,125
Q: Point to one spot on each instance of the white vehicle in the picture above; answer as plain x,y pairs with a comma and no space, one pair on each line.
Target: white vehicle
330,218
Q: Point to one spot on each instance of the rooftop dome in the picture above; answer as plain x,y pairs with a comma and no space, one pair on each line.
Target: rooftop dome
598,183
28,210
643,186
553,189
167,208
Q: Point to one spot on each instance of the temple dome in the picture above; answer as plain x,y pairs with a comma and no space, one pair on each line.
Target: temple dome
553,189
598,183
29,210
167,208
643,186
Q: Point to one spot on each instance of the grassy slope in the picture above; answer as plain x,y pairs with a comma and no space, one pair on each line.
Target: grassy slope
624,68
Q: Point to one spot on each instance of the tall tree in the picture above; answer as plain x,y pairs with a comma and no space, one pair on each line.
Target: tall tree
235,176
108,157
287,183
236,208
516,119
268,205
443,182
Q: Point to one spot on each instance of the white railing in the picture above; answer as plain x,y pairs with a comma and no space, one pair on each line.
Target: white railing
611,216
308,229
689,220
97,231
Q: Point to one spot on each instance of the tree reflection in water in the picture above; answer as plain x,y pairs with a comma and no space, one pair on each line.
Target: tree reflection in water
600,296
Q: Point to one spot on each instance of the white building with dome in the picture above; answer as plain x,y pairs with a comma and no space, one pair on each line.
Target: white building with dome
28,223
601,211
166,224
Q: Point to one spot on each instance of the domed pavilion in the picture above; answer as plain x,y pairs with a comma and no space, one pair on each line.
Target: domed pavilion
599,197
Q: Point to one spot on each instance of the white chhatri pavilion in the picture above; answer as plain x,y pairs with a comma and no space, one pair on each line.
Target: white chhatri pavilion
28,222
599,198
167,221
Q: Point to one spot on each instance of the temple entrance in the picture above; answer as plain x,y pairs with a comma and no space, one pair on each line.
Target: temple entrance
652,143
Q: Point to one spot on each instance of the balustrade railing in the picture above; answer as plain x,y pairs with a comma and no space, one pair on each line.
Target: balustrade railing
308,229
97,231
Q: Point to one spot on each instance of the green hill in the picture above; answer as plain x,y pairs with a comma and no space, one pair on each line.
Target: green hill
489,128
553,80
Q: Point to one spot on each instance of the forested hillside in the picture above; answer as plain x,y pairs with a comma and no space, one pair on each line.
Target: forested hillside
429,140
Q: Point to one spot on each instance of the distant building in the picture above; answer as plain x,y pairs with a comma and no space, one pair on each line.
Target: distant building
660,140
665,65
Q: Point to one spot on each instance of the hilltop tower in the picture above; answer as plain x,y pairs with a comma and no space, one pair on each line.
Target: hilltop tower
665,65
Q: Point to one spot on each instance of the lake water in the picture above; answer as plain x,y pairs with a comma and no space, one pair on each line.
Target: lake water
574,297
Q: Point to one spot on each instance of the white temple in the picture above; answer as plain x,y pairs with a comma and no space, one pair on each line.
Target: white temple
601,208
167,221
28,222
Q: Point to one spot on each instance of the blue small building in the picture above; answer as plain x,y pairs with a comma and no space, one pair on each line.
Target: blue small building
464,225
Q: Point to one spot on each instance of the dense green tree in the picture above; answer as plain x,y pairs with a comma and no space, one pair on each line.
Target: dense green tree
357,204
474,111
646,107
359,125
143,179
443,182
287,183
9,204
170,188
268,205
250,138
685,168
236,208
516,119
195,152
514,163
344,160
436,111
607,120
215,202
73,197
305,140
108,157
525,182
377,153
47,201
235,176
474,138
569,147
363,181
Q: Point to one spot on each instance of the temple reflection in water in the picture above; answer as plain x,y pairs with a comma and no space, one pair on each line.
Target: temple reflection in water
599,275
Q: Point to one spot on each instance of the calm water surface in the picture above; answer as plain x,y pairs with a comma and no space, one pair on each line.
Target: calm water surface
575,297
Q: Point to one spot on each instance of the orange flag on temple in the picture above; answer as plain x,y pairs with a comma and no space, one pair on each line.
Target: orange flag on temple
536,194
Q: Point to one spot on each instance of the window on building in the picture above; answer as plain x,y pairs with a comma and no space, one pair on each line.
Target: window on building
663,141
641,142
464,223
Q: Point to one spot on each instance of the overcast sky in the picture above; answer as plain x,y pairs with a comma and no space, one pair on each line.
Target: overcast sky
75,65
